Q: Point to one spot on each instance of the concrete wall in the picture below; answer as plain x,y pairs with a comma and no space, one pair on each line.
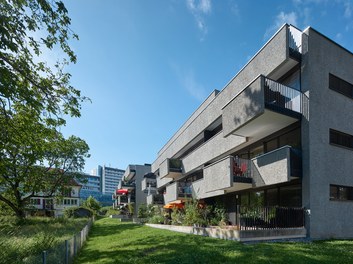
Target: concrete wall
270,57
218,175
328,164
247,105
140,196
215,147
171,193
271,168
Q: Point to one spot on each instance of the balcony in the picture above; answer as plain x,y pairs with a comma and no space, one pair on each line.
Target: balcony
125,199
277,166
148,184
262,108
126,185
232,174
228,175
170,168
177,191
155,199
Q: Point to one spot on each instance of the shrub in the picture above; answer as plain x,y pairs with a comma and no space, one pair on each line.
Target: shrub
77,212
196,214
112,211
92,204
178,217
142,211
219,215
156,219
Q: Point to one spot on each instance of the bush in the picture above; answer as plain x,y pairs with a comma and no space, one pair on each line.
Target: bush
112,211
156,219
219,216
77,212
92,204
142,211
178,217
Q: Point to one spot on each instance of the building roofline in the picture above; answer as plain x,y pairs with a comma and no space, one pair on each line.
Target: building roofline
329,39
160,152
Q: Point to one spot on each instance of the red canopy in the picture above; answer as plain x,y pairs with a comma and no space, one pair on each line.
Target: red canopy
122,191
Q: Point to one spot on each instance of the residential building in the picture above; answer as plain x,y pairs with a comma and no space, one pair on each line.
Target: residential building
130,188
110,178
279,135
55,206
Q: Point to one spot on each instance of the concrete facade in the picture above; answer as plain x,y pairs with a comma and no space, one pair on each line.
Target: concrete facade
282,132
132,181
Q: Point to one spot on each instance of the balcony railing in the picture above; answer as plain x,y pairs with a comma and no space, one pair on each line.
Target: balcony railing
274,217
241,169
185,192
279,96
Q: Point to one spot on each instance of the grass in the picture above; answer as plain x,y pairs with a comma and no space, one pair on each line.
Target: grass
113,242
33,235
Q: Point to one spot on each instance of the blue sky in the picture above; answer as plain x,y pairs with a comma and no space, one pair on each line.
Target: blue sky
147,65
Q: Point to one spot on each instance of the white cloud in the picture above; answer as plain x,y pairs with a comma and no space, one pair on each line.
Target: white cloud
188,81
281,18
199,9
347,9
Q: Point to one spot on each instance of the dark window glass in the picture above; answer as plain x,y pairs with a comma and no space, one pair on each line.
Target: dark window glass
340,86
291,138
341,193
272,197
341,139
257,199
291,196
244,198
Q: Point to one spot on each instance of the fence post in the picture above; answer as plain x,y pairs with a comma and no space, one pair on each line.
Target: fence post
44,257
66,252
75,250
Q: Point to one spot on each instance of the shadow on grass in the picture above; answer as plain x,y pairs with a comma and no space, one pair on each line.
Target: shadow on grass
130,243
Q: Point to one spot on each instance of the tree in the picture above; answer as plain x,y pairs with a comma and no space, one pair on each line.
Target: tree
92,204
27,28
36,160
34,99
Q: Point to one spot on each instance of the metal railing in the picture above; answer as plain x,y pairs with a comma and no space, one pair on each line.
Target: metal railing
241,167
280,96
64,252
271,217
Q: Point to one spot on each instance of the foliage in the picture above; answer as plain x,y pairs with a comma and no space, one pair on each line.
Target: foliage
142,211
92,204
31,236
130,208
195,214
78,212
35,158
114,242
177,217
218,215
156,219
112,211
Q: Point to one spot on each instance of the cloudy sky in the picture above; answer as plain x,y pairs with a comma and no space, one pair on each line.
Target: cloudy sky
147,65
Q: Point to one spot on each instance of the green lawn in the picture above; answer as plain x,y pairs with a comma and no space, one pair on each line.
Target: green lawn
30,238
113,242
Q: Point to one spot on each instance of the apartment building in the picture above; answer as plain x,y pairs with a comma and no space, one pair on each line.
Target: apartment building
130,189
279,135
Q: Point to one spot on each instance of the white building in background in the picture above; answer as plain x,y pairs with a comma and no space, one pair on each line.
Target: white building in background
55,206
110,178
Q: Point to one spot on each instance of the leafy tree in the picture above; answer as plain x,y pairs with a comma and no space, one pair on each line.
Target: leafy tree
35,97
92,204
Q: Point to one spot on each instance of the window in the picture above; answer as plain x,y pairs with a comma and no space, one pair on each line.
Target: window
341,139
340,86
341,193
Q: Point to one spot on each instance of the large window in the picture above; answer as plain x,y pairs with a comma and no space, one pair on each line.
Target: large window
340,86
341,139
341,193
